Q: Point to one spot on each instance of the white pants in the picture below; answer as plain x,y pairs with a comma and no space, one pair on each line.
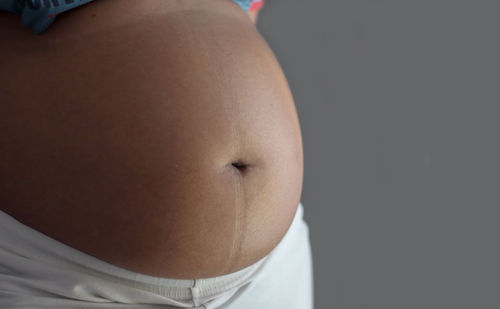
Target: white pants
37,271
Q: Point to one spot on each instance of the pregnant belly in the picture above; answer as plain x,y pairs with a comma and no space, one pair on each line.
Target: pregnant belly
161,138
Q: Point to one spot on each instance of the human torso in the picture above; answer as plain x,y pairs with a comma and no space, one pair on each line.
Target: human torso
115,141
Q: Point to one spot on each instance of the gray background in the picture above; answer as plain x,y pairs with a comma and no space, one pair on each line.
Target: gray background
398,103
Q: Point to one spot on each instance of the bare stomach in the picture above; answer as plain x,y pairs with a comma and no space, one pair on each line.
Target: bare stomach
159,136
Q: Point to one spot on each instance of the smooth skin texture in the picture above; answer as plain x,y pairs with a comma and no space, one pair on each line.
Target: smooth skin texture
159,136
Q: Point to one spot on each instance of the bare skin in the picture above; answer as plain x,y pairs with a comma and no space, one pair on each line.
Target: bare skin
159,136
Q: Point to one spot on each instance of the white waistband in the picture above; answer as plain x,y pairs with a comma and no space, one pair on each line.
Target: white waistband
37,269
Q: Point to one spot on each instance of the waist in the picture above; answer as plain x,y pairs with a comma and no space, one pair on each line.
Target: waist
42,272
